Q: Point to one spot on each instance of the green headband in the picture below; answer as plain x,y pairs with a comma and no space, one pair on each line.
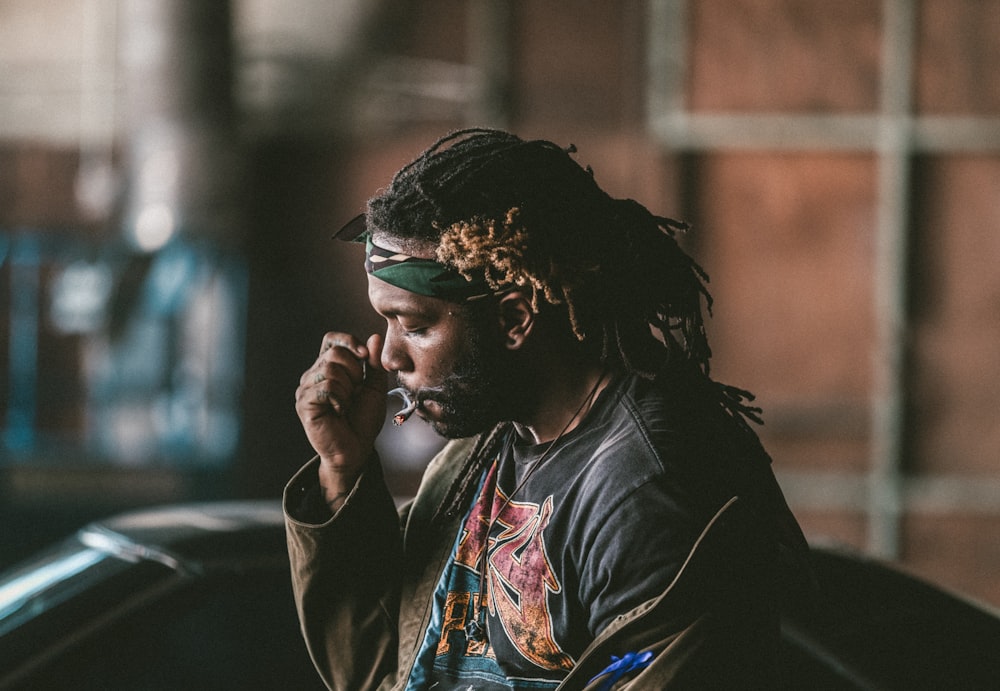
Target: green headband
421,276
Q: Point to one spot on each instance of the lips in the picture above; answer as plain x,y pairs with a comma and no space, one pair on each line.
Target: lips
429,408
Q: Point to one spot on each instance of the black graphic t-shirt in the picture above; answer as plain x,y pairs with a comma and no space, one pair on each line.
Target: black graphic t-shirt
599,527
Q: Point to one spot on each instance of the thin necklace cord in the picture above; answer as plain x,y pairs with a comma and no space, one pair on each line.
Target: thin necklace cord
476,630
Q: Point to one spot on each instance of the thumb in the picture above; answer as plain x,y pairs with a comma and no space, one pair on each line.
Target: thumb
368,411
377,377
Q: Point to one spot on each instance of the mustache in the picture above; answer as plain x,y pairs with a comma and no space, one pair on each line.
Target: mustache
412,400
418,396
442,394
459,380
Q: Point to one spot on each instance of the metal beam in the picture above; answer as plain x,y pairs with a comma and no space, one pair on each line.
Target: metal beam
680,131
891,280
838,490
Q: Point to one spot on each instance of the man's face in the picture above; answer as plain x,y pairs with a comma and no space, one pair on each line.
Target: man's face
450,359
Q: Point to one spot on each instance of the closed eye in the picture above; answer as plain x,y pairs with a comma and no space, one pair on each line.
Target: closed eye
411,327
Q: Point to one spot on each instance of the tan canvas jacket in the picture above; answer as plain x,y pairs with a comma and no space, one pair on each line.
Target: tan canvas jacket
364,581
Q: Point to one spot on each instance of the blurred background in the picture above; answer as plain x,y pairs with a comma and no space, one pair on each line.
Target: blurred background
171,172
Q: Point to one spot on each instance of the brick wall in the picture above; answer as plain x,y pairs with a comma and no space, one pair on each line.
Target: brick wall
788,227
763,122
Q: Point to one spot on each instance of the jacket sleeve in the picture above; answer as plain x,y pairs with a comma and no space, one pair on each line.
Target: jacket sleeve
345,577
715,626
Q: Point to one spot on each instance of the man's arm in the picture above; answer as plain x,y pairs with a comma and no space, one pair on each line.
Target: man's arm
343,531
345,572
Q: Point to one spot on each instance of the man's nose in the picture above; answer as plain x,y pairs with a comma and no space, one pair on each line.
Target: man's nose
394,358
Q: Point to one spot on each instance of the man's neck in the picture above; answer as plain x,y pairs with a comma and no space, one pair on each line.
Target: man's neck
568,397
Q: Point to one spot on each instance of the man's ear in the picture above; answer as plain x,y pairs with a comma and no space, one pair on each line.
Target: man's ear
517,318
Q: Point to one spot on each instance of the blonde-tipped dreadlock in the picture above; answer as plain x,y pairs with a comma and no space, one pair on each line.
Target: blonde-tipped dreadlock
503,253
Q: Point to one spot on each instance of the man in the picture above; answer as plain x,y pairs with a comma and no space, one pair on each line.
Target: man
604,515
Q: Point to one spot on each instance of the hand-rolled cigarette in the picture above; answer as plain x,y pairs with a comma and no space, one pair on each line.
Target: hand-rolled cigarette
409,406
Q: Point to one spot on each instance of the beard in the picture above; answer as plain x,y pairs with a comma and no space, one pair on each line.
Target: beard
487,386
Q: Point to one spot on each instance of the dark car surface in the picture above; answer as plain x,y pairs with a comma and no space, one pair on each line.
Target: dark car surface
187,597
874,627
199,597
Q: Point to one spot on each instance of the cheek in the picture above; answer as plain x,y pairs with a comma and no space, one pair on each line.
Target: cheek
433,362
426,366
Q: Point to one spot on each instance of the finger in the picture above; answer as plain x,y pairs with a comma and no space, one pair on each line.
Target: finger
314,401
322,397
336,339
341,365
313,375
336,363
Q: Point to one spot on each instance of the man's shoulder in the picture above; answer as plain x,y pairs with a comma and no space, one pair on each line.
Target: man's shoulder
678,421
632,438
646,412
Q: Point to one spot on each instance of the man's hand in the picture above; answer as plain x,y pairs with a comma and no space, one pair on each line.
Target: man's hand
341,404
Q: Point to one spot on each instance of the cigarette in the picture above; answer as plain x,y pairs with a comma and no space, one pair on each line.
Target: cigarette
409,406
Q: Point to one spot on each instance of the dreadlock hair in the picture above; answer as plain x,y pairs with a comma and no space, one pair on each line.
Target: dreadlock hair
526,214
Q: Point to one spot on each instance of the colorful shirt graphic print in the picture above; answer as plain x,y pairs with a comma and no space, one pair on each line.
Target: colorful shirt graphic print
518,585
